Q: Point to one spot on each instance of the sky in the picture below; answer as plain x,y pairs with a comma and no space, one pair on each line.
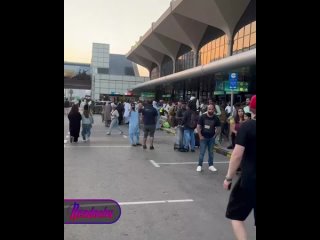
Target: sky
119,23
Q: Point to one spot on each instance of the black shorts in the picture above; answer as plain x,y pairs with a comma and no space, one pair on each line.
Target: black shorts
149,129
241,202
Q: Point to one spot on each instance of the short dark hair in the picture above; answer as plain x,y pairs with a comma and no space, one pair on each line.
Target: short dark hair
248,114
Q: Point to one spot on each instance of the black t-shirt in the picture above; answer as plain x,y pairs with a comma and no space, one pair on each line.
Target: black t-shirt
246,137
149,114
208,125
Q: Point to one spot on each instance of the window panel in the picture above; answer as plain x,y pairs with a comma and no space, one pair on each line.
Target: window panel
247,29
252,39
221,52
235,46
241,32
246,41
216,54
209,56
253,26
240,43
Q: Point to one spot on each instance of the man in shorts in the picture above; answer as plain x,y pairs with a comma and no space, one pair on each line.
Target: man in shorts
243,195
149,118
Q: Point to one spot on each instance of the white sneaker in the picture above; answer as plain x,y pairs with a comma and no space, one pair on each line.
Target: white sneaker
199,169
212,168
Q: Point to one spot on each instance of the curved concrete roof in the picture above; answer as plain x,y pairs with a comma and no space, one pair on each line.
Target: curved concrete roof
185,22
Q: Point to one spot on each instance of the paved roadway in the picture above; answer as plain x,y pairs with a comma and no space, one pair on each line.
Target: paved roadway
107,167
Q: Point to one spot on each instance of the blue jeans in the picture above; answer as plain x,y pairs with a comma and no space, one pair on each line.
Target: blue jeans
188,137
204,143
86,131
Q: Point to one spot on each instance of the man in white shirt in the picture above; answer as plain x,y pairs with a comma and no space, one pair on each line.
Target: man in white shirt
246,109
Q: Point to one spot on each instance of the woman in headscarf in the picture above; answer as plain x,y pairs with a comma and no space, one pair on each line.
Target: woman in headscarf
74,123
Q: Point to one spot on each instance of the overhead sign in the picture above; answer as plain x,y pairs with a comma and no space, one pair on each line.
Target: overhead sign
233,79
148,94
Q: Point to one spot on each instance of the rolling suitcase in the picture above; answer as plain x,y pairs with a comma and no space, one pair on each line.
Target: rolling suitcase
179,138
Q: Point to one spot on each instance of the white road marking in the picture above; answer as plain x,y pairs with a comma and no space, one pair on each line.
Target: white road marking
65,141
88,146
125,136
135,203
153,202
154,163
174,163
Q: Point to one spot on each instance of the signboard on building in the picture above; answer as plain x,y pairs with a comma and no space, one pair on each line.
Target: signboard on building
240,87
233,79
147,95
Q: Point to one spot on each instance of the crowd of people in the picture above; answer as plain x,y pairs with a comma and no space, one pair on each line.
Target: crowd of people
203,123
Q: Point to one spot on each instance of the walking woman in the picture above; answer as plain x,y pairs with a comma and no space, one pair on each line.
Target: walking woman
87,121
74,123
114,119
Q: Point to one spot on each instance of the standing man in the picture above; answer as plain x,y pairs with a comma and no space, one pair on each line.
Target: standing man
208,128
149,118
134,126
246,109
243,196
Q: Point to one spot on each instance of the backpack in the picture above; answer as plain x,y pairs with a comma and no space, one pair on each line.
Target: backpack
194,120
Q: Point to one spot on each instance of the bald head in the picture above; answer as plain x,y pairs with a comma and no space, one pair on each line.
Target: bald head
210,110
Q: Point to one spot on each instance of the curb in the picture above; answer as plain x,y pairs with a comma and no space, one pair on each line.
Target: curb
216,148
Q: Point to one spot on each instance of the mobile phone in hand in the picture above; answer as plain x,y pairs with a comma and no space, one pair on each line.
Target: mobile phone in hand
229,186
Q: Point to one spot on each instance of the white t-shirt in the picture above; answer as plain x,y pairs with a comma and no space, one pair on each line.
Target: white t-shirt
246,109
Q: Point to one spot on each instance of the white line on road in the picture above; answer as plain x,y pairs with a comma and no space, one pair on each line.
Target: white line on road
134,203
189,163
153,202
125,136
124,146
154,163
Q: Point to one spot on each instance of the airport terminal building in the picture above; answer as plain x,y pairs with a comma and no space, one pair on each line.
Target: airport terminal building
193,48
108,75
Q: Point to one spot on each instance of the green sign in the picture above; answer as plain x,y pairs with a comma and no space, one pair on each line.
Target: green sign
147,94
229,92
218,92
219,85
241,87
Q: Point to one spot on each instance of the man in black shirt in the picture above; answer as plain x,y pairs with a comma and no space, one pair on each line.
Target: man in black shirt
149,115
243,196
208,128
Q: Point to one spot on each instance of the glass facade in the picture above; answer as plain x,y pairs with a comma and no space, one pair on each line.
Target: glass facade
185,61
213,50
245,38
167,66
103,70
154,73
